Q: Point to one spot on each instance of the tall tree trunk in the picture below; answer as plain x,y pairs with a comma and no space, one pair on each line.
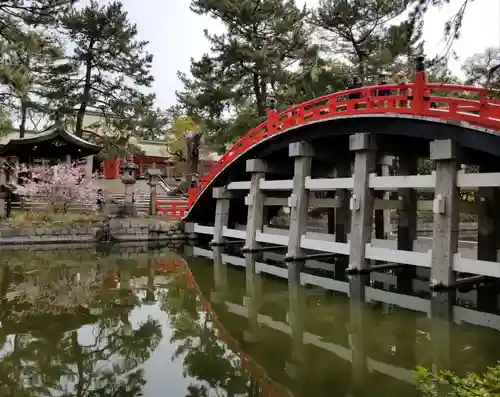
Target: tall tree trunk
24,115
85,96
192,159
259,95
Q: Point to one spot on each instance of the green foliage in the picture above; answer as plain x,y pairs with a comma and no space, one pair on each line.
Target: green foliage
449,384
5,122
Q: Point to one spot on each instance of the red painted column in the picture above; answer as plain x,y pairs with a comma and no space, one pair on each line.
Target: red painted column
419,104
111,168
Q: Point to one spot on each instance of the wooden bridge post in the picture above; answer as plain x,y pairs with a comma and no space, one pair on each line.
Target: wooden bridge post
358,330
296,319
343,212
445,208
222,197
255,202
441,315
220,276
488,221
382,223
362,198
299,200
407,218
253,297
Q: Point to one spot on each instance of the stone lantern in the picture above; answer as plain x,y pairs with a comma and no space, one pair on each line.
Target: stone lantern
127,168
153,179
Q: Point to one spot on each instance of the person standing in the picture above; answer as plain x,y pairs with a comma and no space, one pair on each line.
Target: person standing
355,83
100,200
382,80
401,79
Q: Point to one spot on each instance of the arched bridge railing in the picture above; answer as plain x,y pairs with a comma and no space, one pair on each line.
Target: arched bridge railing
468,104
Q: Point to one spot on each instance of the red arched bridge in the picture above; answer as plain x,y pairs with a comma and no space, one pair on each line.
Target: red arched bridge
420,102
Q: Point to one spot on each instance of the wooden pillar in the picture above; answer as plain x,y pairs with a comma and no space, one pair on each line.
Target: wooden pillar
488,221
299,200
253,298
407,217
220,277
343,211
446,222
358,330
362,199
441,329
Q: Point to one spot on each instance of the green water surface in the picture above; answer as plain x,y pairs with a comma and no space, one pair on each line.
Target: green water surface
156,323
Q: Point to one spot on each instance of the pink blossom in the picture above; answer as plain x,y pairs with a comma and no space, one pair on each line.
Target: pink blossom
61,185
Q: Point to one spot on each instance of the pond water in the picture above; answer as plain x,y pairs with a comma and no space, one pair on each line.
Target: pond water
153,322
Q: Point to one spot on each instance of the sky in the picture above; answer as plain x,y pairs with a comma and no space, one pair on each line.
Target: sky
175,35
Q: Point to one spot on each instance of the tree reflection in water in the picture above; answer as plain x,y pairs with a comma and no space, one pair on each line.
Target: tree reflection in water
198,335
92,350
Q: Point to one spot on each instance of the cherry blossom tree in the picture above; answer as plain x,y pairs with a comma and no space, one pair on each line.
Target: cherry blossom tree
61,186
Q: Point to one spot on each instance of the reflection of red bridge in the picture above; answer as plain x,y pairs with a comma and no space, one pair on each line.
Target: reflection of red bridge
268,386
434,102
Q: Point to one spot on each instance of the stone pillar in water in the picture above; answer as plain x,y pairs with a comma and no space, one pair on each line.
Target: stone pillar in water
255,202
362,199
298,202
222,197
445,208
488,237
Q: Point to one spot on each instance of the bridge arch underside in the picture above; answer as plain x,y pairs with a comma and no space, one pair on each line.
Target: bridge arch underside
395,135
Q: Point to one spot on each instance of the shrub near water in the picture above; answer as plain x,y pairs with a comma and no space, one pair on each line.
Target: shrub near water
448,384
32,219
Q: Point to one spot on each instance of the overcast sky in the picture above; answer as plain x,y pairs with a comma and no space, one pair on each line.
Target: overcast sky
176,35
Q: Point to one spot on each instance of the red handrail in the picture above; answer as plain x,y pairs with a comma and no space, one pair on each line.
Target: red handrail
172,209
412,99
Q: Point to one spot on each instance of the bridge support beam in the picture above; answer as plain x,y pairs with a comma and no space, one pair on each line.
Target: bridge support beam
255,202
343,211
222,196
362,199
407,222
407,219
488,221
299,200
446,216
382,217
220,276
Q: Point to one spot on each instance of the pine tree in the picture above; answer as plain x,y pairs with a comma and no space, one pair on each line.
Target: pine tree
360,30
484,69
114,63
263,38
32,67
17,20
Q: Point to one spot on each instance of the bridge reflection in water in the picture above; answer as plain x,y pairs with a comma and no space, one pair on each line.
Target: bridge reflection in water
319,333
